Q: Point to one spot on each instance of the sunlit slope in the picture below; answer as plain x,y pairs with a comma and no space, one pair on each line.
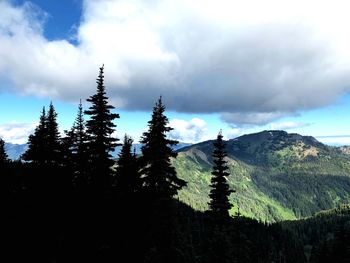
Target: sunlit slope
276,175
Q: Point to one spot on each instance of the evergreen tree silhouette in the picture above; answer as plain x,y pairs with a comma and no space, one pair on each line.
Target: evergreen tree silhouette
4,176
99,128
80,136
160,185
76,148
127,174
3,155
37,143
220,191
159,176
53,154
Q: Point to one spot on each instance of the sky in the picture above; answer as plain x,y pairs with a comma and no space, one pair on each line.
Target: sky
239,66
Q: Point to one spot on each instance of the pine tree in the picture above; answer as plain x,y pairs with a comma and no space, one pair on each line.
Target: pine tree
159,176
100,127
160,184
75,149
44,145
3,155
80,132
127,175
220,191
37,143
80,147
53,155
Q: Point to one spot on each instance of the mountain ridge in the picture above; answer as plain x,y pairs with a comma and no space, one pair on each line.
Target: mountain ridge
276,175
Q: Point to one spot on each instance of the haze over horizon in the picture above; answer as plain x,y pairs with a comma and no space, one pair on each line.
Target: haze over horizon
238,66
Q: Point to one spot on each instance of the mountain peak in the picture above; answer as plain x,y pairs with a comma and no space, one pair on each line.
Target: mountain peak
263,146
277,135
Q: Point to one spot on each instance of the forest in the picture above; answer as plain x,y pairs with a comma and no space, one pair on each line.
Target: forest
68,200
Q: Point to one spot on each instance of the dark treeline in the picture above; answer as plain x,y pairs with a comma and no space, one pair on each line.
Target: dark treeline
67,200
326,236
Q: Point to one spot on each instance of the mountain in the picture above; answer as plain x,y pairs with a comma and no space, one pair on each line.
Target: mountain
14,151
276,175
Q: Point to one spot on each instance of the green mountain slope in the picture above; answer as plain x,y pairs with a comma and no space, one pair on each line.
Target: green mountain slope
276,175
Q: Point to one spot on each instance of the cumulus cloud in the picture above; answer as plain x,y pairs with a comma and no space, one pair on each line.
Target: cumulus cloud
16,132
252,60
191,131
286,125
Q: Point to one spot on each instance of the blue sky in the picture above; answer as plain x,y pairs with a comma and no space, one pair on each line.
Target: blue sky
62,17
241,71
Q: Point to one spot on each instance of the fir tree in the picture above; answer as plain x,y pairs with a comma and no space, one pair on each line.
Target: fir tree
80,147
3,155
37,143
220,191
159,176
128,179
44,145
160,184
80,136
75,149
100,127
53,155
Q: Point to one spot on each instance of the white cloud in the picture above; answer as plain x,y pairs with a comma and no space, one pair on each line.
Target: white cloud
233,133
17,133
335,140
286,125
253,60
192,131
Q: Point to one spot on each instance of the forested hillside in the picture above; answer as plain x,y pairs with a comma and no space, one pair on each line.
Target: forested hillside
326,236
276,175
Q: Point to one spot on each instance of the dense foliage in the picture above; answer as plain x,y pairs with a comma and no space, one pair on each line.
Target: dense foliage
326,236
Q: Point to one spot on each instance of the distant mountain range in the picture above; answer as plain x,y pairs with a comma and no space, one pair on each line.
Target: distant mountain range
276,175
14,151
